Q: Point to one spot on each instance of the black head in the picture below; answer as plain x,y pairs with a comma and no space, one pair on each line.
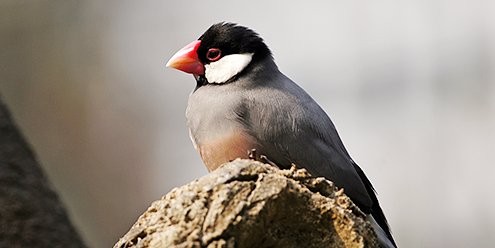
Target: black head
223,39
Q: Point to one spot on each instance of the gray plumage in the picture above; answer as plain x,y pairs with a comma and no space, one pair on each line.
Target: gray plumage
287,124
255,106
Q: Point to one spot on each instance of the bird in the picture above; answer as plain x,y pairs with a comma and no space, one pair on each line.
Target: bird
242,102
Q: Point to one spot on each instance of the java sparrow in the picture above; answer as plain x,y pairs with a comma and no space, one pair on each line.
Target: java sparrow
243,102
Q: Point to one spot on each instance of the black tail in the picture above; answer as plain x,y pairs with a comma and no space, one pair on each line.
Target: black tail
376,210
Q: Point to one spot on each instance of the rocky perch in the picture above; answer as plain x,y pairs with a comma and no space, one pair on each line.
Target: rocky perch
246,203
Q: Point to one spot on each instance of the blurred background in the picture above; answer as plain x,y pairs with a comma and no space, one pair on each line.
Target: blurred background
410,86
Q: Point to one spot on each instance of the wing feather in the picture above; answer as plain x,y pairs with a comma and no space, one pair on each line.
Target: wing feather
290,127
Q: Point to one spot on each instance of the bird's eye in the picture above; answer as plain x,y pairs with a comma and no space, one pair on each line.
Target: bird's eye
213,54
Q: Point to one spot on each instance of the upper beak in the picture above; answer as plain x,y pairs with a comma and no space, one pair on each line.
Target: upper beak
186,60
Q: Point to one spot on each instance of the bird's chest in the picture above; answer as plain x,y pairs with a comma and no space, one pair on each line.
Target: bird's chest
212,113
215,128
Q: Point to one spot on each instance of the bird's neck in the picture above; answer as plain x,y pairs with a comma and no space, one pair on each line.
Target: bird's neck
260,67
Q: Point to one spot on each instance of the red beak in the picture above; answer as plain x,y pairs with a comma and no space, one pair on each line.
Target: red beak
186,60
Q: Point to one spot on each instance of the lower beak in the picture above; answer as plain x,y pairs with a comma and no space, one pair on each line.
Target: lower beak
186,60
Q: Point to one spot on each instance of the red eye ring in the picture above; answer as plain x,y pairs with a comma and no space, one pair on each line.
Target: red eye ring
213,54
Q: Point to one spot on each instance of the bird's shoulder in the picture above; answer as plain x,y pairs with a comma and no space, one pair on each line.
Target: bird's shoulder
282,104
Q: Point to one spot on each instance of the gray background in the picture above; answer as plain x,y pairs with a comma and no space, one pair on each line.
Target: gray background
410,86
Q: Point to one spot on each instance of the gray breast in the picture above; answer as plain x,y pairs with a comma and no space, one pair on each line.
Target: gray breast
211,112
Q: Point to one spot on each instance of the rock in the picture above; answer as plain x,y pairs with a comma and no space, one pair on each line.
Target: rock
31,214
246,203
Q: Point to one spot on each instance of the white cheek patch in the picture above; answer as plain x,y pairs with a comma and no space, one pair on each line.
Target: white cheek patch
225,68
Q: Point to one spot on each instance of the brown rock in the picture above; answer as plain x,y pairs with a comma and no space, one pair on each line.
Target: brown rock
249,204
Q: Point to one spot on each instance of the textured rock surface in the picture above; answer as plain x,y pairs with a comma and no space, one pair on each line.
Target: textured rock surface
249,204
